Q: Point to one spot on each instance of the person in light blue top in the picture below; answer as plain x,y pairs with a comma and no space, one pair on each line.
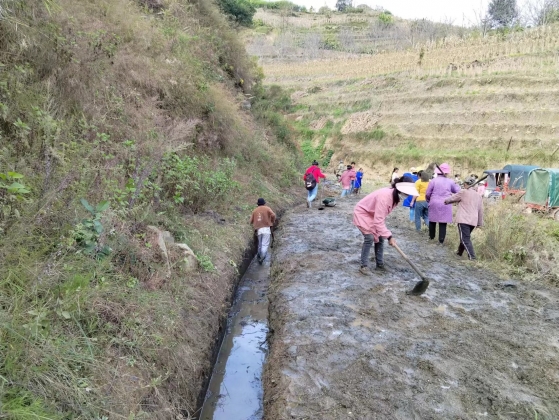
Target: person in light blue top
408,201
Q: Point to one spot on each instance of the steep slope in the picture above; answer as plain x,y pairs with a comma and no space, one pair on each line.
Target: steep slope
124,129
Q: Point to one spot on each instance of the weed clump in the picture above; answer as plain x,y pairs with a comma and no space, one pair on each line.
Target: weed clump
521,244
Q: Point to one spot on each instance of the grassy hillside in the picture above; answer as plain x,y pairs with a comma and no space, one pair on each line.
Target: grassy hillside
477,102
116,116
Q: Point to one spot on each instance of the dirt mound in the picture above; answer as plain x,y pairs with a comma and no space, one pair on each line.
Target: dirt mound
360,121
319,124
347,346
298,95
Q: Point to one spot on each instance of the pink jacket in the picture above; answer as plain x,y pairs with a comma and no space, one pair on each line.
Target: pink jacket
346,178
470,207
370,213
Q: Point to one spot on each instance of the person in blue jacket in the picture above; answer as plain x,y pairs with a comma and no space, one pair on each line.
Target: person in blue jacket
408,201
357,183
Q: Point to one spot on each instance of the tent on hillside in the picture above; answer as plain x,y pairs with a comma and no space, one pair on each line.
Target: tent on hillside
518,175
543,187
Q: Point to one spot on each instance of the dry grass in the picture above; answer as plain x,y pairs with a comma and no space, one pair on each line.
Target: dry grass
522,245
93,97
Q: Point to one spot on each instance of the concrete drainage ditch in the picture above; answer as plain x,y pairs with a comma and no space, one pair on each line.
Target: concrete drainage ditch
235,391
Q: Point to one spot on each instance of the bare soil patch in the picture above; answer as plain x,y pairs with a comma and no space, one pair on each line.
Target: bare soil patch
345,346
360,121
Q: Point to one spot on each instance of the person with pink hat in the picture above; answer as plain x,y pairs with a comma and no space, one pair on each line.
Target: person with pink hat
438,190
370,215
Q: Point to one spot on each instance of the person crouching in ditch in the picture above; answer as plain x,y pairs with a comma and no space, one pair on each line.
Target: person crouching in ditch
370,218
469,215
262,219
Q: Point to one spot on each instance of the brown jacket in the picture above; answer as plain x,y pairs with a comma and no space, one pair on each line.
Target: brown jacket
262,216
470,207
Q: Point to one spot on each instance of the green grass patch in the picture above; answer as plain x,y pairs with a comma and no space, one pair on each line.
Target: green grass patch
365,136
360,106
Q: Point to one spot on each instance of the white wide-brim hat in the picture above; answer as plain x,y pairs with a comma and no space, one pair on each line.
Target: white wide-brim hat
407,188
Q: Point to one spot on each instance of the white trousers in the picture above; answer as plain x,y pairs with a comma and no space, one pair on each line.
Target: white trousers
263,244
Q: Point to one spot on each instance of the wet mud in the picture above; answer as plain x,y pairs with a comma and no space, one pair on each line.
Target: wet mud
344,346
235,391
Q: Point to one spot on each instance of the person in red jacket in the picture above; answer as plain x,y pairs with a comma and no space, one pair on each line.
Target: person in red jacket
317,173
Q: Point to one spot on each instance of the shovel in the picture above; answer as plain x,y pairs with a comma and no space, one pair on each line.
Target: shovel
420,287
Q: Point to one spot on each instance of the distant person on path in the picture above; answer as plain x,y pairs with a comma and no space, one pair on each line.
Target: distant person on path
353,180
358,181
340,170
394,175
262,220
420,202
316,174
370,218
457,180
408,201
468,217
347,177
440,189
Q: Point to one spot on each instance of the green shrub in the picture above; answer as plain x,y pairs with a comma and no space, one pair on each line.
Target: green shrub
197,181
377,134
241,11
13,194
87,234
386,18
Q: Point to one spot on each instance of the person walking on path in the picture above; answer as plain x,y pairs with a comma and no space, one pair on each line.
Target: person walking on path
262,220
358,181
347,177
353,180
419,203
468,217
370,215
394,175
340,170
317,174
408,201
438,190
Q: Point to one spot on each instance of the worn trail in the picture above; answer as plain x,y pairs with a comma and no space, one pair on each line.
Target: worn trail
344,346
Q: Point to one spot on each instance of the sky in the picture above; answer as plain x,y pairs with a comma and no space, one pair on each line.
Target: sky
460,11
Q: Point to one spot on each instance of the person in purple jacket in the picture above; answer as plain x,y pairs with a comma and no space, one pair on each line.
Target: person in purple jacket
439,189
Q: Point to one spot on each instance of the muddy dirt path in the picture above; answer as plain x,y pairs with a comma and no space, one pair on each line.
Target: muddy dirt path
346,346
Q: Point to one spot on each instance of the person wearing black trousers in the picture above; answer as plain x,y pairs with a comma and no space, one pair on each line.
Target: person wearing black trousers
468,217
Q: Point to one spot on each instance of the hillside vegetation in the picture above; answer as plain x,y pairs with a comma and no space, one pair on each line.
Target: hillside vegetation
124,131
475,101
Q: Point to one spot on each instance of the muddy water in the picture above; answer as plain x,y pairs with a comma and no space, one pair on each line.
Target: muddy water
347,346
235,391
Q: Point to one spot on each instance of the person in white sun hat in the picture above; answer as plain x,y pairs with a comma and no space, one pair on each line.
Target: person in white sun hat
370,215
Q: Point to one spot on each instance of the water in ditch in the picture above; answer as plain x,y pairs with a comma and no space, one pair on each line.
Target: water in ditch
235,391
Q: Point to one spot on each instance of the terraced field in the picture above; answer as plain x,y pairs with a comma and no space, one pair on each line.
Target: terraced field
476,103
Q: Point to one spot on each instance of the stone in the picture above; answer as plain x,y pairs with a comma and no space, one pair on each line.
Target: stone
189,260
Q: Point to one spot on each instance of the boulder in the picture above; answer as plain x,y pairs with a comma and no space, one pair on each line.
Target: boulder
189,261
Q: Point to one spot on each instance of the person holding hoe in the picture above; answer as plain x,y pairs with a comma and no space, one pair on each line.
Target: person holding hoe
262,220
468,217
370,218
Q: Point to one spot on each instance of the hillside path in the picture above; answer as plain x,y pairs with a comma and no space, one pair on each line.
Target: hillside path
345,346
